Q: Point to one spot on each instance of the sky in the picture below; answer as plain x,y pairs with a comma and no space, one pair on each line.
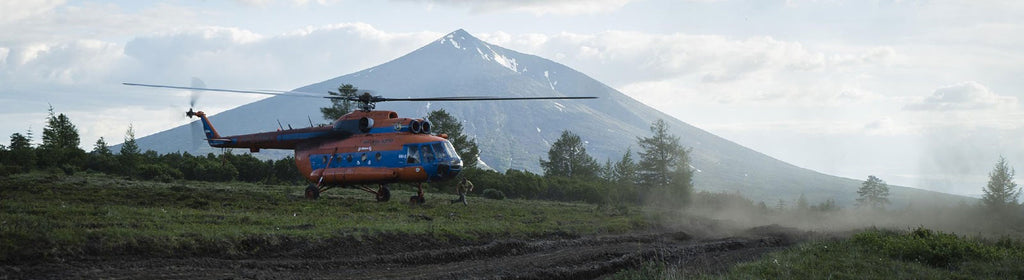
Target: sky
923,94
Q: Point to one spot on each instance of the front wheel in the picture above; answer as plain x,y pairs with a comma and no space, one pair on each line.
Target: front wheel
312,192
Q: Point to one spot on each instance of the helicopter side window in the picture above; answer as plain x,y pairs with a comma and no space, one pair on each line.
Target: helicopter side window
428,155
412,154
348,157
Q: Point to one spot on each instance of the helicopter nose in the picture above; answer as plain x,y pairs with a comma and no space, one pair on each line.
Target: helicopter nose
449,170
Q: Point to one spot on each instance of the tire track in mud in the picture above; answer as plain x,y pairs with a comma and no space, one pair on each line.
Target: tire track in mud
559,258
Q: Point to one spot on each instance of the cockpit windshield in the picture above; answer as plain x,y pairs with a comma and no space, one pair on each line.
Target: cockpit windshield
450,149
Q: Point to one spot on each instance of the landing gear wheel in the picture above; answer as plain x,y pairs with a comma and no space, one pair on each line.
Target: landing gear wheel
383,194
312,192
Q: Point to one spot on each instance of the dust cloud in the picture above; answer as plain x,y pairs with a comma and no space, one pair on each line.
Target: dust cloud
724,214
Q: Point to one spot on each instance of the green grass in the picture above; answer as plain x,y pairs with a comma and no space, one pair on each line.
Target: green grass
874,254
52,217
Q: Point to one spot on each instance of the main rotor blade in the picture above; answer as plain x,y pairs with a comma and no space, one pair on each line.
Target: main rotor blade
267,92
482,98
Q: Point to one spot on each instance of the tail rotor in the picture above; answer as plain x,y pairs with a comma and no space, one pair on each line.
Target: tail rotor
194,126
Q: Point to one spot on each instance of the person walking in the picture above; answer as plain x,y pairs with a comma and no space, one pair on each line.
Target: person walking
464,187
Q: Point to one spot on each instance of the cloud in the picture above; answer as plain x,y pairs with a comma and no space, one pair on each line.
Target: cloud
11,11
82,76
537,7
307,55
625,57
968,95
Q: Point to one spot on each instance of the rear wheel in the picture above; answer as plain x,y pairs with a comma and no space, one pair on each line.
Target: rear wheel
312,192
383,194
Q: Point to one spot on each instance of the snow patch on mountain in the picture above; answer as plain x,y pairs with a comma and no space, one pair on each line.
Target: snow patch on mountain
451,38
504,61
550,83
561,108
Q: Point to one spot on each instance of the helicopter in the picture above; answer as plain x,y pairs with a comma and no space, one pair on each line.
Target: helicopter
360,149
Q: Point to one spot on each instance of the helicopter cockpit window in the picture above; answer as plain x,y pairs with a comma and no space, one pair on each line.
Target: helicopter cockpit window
428,155
451,149
412,154
439,150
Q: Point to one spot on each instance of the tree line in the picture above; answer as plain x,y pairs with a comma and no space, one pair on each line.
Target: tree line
60,152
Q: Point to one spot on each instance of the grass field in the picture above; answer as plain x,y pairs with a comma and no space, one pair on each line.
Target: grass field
874,254
47,217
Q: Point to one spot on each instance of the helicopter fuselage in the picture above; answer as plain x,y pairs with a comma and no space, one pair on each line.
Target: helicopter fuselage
362,147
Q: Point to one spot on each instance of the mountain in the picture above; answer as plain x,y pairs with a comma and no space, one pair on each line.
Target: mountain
516,134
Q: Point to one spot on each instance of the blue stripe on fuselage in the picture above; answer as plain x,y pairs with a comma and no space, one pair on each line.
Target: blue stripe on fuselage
300,136
388,159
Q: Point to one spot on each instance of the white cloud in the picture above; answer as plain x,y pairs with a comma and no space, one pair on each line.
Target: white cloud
968,95
537,7
11,11
85,74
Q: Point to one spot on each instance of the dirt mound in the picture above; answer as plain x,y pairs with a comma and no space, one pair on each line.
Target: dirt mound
409,257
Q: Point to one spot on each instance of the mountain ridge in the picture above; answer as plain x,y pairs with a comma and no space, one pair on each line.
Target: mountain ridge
517,134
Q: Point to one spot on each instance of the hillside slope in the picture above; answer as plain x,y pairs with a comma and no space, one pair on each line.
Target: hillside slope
516,134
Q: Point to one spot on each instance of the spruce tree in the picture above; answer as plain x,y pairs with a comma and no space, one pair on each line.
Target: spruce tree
339,106
874,193
568,158
1001,193
444,123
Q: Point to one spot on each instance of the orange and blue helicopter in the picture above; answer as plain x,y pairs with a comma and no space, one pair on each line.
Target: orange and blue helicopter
360,149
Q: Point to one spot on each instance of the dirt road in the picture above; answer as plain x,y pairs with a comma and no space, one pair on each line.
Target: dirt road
556,257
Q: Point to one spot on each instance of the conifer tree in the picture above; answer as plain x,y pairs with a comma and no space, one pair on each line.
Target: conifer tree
1001,193
874,193
444,123
339,106
568,158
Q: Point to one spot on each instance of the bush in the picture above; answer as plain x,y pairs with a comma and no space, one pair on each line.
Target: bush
937,249
494,194
159,172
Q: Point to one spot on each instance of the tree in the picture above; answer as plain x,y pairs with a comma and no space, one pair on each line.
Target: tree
130,153
568,158
444,123
608,170
20,152
665,164
1001,193
625,170
101,147
661,156
873,192
827,206
339,106
60,143
801,203
59,133
101,158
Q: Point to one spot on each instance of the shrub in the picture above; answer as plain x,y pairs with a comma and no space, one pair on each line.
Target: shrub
937,249
494,194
